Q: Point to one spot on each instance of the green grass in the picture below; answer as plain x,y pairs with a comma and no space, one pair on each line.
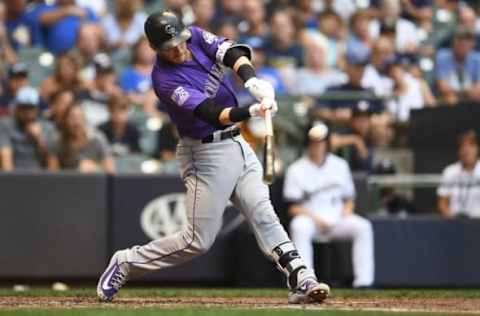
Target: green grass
123,310
219,292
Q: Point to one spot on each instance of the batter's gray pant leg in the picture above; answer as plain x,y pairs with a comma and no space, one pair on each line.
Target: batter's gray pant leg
210,172
252,197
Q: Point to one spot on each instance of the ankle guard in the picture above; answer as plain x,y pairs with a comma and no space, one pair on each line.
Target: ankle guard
289,262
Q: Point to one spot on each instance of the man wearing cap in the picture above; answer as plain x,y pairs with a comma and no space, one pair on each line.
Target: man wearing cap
321,193
95,100
217,165
23,138
17,78
457,70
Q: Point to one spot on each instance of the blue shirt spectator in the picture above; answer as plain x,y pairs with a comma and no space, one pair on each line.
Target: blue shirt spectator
62,22
457,71
22,25
132,80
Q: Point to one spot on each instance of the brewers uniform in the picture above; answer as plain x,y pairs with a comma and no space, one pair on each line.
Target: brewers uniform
322,190
462,188
217,165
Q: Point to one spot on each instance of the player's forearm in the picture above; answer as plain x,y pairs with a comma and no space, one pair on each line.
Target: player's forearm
6,161
348,207
443,207
297,209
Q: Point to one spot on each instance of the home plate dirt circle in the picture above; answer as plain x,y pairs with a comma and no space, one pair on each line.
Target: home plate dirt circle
457,305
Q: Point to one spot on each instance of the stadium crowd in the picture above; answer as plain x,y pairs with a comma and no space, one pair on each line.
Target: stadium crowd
76,93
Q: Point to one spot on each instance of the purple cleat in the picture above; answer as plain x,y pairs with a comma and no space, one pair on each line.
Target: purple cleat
113,278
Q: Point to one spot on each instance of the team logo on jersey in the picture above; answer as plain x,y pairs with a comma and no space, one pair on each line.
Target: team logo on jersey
209,37
180,95
170,29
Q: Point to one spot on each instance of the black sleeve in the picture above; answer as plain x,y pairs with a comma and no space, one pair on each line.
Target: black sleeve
234,53
209,112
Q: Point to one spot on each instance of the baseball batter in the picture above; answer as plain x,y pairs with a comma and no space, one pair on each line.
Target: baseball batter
217,165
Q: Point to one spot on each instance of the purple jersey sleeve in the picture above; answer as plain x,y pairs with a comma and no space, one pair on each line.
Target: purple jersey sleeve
214,46
180,94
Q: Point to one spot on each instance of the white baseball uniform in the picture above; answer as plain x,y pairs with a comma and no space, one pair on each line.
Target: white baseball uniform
323,191
462,188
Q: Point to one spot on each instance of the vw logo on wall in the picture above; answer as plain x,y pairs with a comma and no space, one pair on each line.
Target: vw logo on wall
164,215
167,215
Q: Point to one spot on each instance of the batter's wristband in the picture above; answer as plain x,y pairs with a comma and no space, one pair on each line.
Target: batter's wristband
239,114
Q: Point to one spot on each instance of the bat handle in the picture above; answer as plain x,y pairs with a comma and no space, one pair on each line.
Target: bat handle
268,123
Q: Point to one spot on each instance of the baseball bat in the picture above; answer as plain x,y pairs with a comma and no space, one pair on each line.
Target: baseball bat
268,150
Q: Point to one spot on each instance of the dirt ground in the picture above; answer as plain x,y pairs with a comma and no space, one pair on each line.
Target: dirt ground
459,306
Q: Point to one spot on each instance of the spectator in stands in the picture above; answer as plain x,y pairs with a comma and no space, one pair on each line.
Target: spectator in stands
22,26
135,80
95,98
330,25
375,75
360,41
80,147
405,31
59,103
62,21
321,193
65,77
17,79
230,9
459,191
204,12
90,38
7,54
167,142
24,138
457,70
468,18
282,49
182,9
125,27
354,141
122,135
306,14
317,76
411,90
228,29
254,15
99,7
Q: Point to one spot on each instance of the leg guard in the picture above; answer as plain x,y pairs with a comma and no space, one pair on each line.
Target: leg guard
289,262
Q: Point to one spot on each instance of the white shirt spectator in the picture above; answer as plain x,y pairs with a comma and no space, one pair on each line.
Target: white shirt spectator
411,99
381,85
406,34
462,188
99,7
114,34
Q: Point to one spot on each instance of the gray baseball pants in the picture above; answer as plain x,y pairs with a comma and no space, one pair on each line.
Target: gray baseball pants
214,173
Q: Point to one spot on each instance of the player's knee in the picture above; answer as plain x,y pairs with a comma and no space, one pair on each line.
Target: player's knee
196,242
298,224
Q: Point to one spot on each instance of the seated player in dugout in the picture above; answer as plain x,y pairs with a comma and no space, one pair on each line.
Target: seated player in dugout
217,165
321,193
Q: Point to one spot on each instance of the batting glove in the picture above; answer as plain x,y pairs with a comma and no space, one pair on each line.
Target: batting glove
258,109
260,89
